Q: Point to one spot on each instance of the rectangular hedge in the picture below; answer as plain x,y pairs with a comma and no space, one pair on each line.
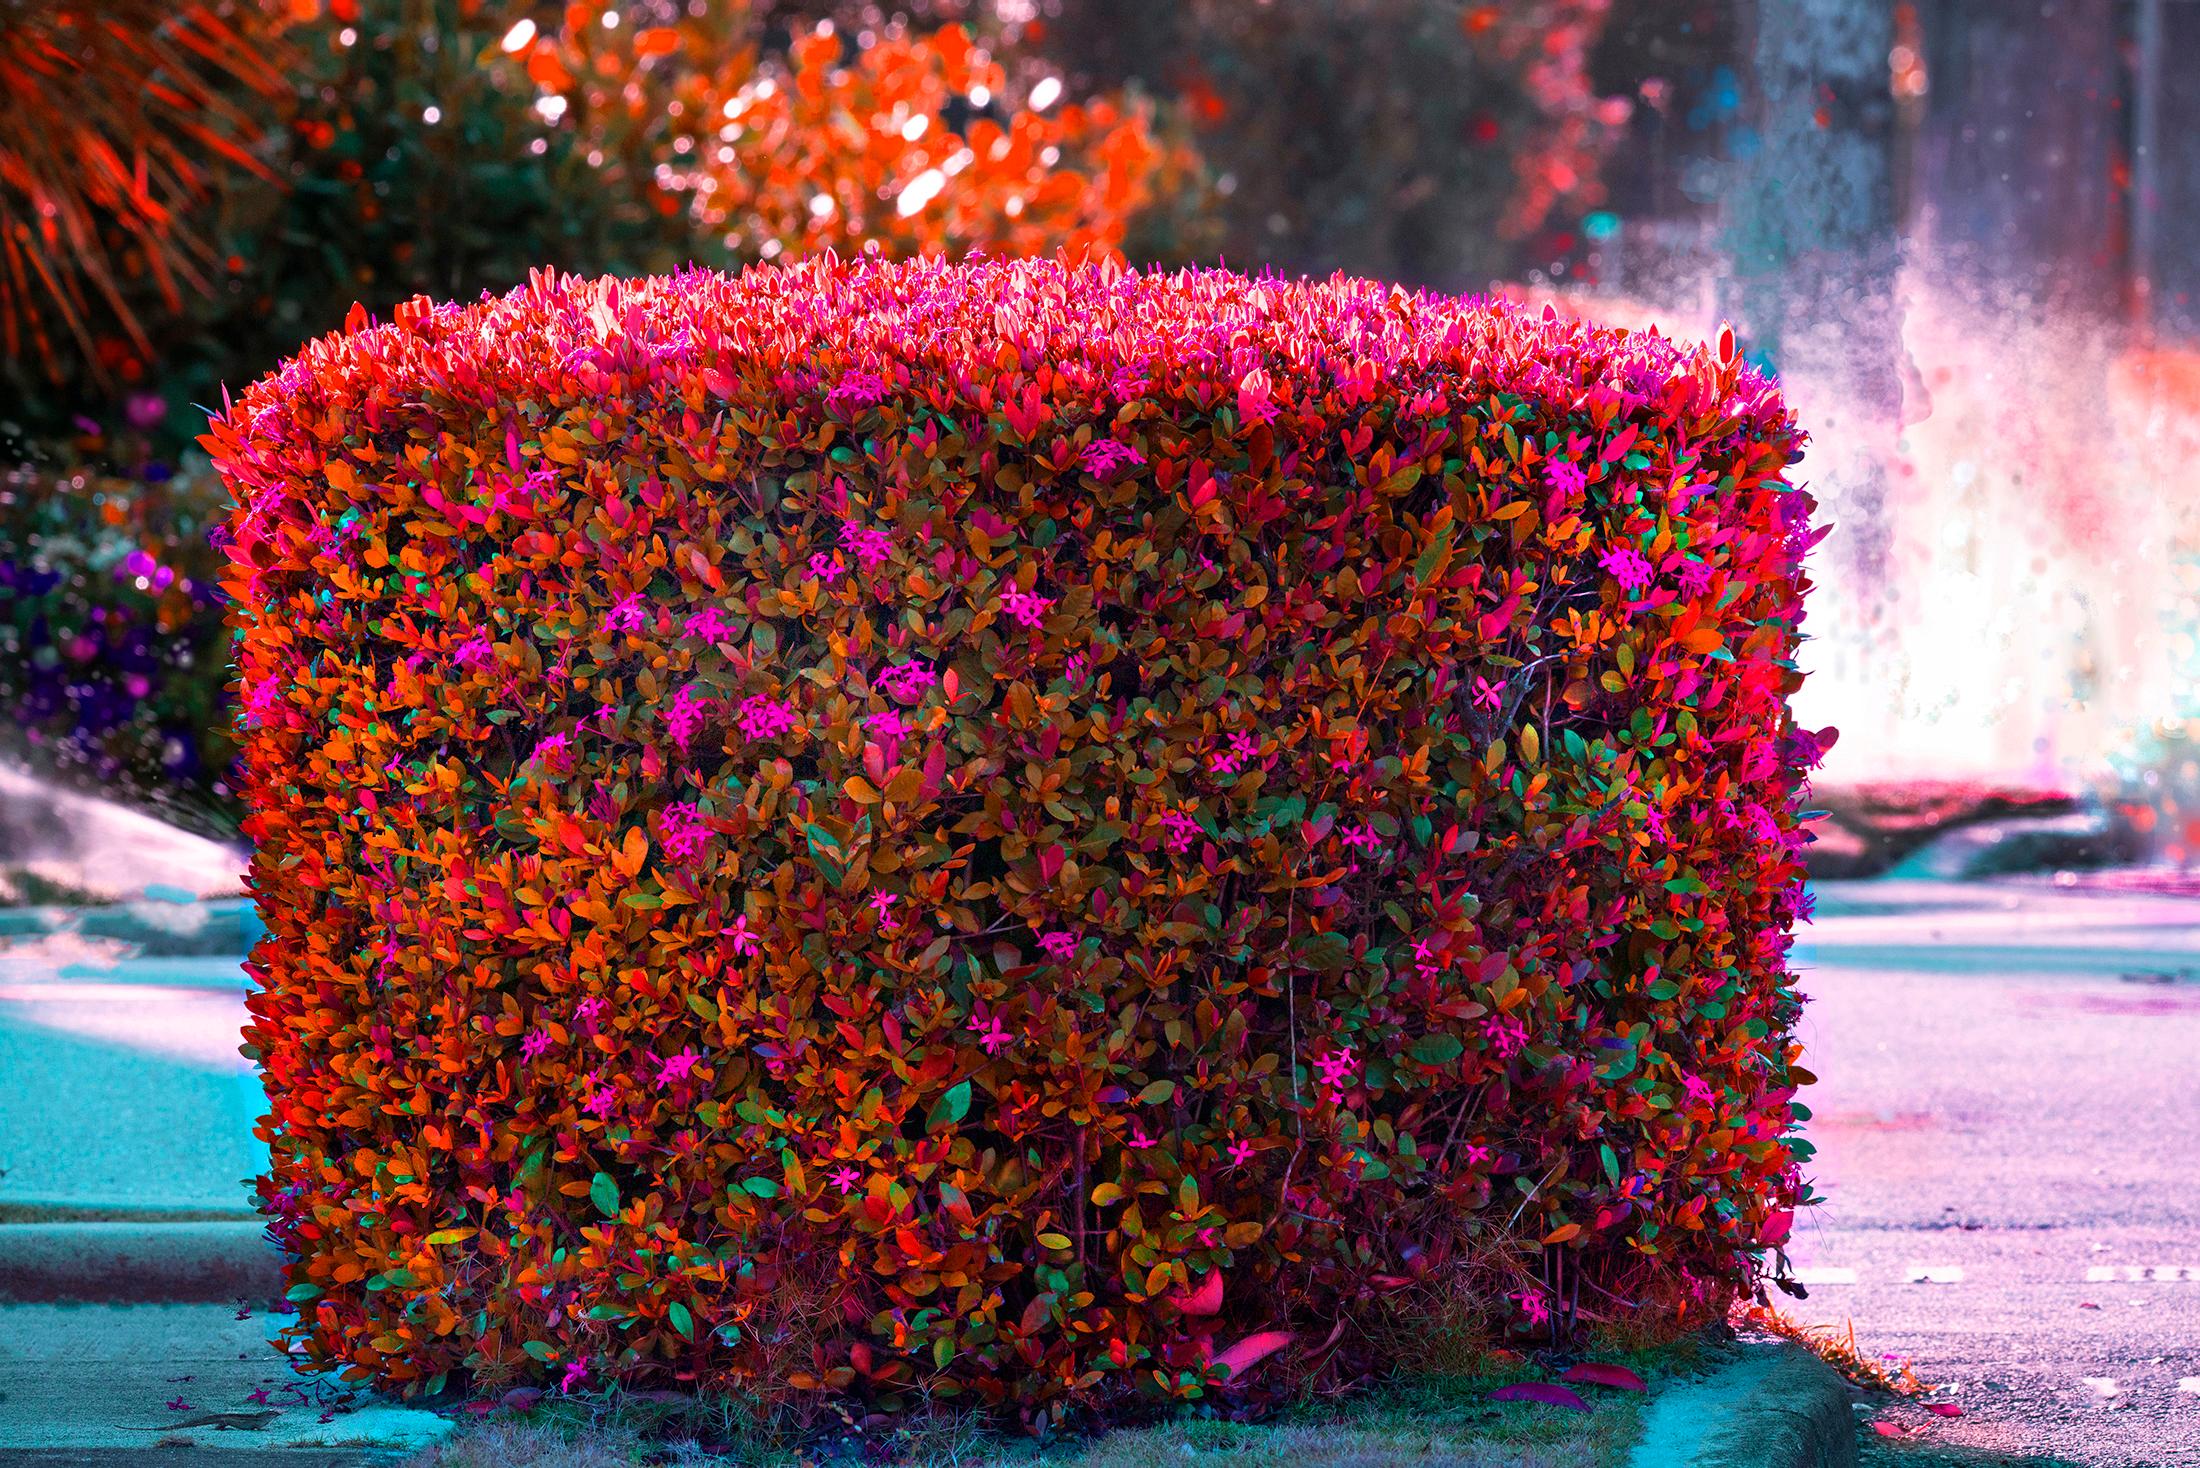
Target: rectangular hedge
1019,829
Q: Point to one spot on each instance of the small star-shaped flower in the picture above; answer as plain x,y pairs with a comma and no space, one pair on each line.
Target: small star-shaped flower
676,1067
258,1398
1240,1153
1139,1140
845,1178
991,1035
744,941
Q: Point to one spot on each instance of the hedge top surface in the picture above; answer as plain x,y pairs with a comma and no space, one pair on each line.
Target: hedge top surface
1116,334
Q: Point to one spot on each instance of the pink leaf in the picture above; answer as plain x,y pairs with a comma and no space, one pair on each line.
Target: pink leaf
1597,1373
1777,1224
1256,1347
1539,1391
1944,1409
1205,1300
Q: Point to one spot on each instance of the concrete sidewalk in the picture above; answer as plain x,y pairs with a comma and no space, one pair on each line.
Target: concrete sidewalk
90,1379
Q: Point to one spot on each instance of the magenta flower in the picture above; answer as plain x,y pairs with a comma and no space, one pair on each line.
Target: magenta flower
1026,608
1695,578
882,904
744,941
555,754
258,1398
1507,1036
1532,1306
685,835
857,389
1139,1140
1698,1090
1487,695
677,1067
179,1405
1337,1068
1478,1154
1059,945
1104,456
867,544
1361,837
1181,829
684,717
627,614
907,681
575,1374
477,651
587,1010
1628,568
536,1043
1240,1153
1242,747
888,729
845,1178
822,566
1565,477
710,624
601,1102
990,1034
764,717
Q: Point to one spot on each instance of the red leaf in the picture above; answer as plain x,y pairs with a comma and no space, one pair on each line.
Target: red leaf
1944,1409
1777,1224
1539,1391
1597,1373
1256,1347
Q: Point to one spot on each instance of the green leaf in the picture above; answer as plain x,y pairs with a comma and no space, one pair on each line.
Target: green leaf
681,1320
1326,952
1438,1049
760,1187
540,1350
703,1007
604,1193
950,1108
1158,1092
303,1292
1611,1163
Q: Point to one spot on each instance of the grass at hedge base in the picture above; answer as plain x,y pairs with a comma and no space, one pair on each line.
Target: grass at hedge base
1017,832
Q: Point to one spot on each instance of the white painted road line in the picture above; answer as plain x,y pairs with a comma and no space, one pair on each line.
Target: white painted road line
1933,1274
1825,1276
2142,1273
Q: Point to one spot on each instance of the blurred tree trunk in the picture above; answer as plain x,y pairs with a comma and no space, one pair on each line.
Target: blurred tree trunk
2020,154
1811,237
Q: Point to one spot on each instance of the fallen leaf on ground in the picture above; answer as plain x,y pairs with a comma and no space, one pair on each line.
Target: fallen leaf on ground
1944,1409
1598,1373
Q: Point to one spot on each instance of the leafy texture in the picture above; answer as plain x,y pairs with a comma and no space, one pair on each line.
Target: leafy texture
1030,819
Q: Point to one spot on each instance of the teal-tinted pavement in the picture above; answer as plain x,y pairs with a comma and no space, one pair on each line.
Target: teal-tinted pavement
124,1090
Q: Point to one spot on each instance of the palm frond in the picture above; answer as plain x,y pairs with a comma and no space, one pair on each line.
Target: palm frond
117,119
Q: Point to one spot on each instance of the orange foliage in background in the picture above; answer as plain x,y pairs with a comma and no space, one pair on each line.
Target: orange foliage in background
841,143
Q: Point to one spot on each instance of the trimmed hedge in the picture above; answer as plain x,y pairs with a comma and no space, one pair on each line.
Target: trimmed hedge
1012,829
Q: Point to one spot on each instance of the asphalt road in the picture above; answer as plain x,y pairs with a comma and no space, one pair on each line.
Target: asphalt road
2008,1125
